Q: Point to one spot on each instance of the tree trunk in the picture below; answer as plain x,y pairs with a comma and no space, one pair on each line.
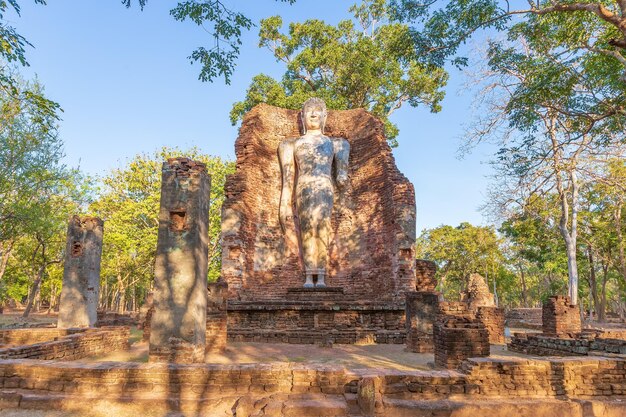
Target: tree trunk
5,250
593,287
602,306
34,290
524,289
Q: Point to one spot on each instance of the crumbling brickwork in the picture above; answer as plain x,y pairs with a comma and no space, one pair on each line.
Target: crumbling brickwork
81,273
457,339
425,272
313,322
217,317
493,320
76,344
421,313
373,223
178,323
525,318
560,317
477,293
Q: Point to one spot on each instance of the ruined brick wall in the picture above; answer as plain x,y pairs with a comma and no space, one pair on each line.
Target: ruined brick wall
582,345
457,339
217,317
296,322
559,317
90,342
372,250
220,389
493,320
17,337
526,318
425,272
422,308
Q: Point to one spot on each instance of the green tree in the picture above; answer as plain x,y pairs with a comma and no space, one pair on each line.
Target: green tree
13,53
366,63
31,153
129,204
460,251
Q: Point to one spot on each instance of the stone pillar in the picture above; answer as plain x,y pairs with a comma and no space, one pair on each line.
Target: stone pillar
217,317
425,275
178,324
457,339
560,317
81,273
421,312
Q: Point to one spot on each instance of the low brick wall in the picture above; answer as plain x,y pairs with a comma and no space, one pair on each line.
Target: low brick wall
88,342
524,318
459,338
18,337
584,344
111,318
232,386
316,322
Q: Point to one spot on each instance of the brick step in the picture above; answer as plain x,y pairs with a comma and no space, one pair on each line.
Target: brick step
503,408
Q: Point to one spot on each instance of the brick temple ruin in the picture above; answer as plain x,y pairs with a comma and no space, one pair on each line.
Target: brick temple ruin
375,292
371,254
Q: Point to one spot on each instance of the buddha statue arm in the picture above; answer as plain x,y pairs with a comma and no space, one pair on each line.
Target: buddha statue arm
342,154
287,166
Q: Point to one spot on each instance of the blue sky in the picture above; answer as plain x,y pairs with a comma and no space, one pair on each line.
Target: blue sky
126,86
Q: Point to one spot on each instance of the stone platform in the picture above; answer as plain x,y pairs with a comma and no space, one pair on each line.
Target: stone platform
320,321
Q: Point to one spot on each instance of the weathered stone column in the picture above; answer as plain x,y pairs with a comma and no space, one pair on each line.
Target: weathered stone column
81,273
178,325
422,308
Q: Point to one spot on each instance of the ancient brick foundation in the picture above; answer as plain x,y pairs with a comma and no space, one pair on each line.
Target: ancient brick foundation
581,345
421,313
313,323
178,323
217,317
425,275
19,337
299,391
524,318
76,344
371,256
458,338
559,317
81,273
493,320
110,318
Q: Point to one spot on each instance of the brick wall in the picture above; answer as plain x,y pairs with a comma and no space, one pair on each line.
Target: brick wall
559,317
217,317
458,338
421,313
299,322
529,318
478,378
581,345
90,342
493,320
425,275
18,337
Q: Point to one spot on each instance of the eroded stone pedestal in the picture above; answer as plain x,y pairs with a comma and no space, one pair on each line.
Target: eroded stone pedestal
81,273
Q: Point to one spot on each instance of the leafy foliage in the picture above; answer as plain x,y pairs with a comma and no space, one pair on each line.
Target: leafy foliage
129,204
366,63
